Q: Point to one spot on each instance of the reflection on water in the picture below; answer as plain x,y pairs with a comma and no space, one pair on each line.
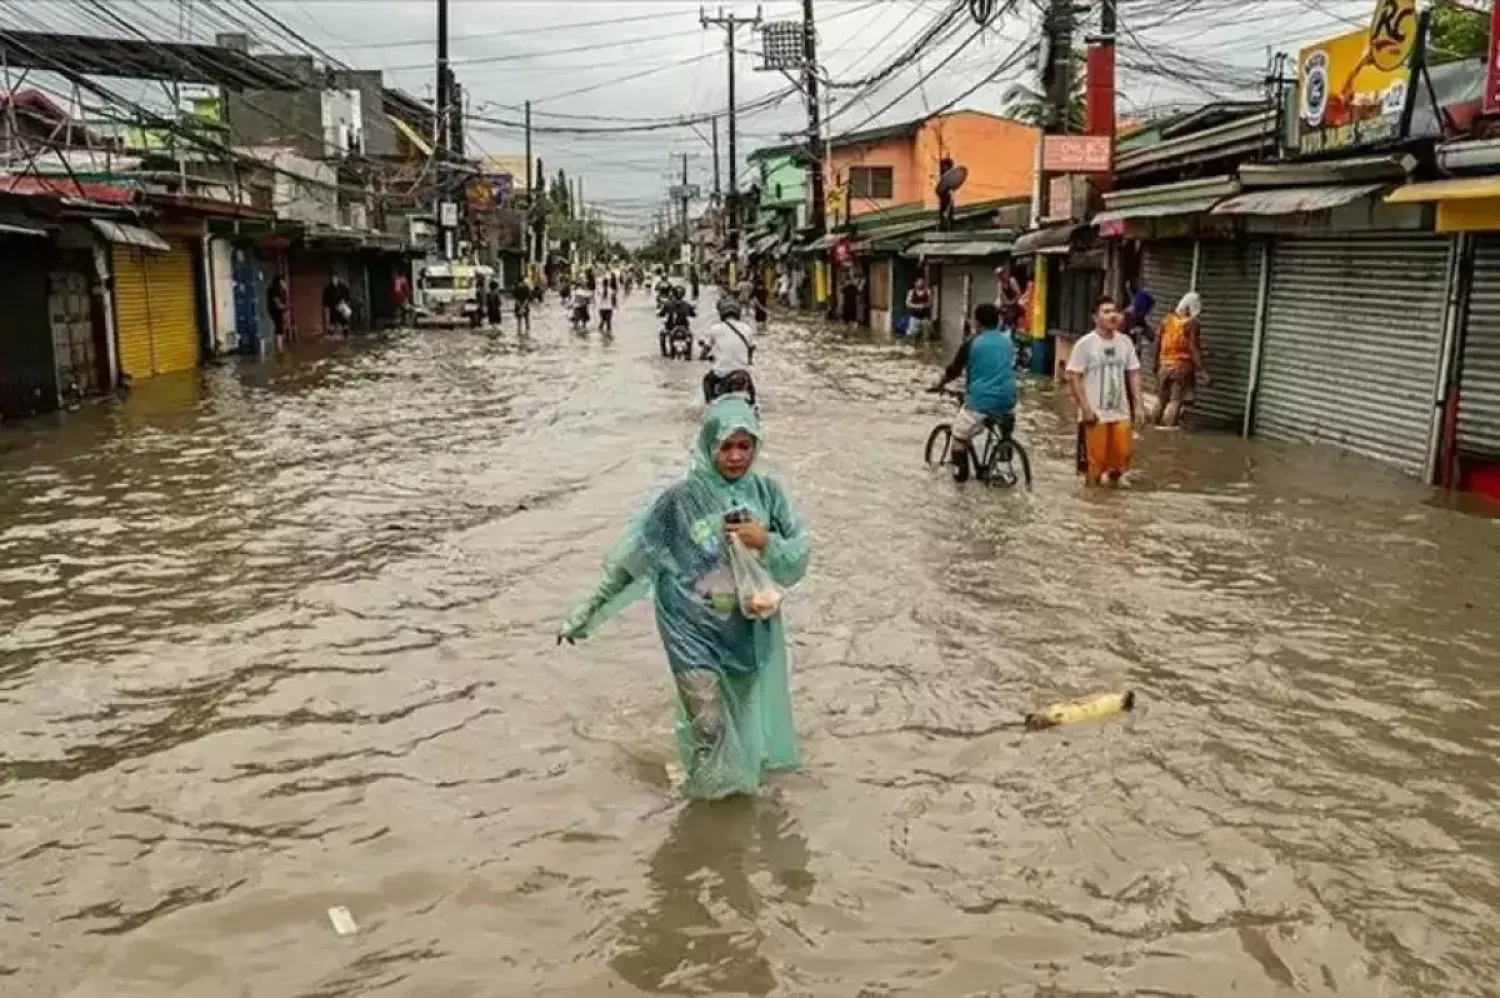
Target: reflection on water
275,637
721,874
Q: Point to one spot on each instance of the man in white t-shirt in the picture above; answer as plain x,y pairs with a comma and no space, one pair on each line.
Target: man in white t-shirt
731,344
1104,377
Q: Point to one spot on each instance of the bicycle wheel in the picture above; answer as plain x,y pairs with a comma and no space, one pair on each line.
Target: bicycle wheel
999,466
1025,461
939,445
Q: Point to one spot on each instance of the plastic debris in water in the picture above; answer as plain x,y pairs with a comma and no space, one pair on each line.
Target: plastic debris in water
1089,709
343,922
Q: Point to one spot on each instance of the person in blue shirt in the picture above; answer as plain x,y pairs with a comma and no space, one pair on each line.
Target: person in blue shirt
988,361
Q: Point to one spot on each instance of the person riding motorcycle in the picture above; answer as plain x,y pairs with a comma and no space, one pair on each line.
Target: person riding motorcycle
731,347
675,313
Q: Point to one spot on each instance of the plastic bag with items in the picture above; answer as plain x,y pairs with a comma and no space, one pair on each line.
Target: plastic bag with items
758,595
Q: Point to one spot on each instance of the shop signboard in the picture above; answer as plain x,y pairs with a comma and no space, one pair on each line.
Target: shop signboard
1076,153
1352,90
1060,198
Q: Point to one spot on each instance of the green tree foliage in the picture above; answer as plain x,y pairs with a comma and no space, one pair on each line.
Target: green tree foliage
1456,32
1027,103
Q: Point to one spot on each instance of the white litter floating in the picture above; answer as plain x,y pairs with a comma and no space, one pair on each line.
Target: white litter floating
343,922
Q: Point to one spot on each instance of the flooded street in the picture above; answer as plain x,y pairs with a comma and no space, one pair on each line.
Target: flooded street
277,638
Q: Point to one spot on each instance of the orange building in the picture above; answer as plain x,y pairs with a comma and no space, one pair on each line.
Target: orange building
898,164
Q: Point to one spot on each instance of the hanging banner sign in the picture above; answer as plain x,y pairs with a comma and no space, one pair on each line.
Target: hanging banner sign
1352,89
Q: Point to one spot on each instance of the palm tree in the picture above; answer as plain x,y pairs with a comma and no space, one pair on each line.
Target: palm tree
1028,104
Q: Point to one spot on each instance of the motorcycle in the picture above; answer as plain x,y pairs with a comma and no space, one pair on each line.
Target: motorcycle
679,343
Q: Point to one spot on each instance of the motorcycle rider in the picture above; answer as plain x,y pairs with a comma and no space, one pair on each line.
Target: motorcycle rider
731,347
675,312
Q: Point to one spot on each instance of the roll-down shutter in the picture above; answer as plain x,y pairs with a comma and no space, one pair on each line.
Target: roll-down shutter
1479,387
156,312
1352,338
1229,283
1167,273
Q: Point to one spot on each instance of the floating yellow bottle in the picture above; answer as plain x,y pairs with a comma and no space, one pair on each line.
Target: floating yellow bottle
1088,709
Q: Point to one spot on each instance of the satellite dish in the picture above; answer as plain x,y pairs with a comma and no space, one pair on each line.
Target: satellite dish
952,179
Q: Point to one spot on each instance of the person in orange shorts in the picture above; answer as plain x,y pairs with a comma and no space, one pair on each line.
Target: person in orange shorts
1104,377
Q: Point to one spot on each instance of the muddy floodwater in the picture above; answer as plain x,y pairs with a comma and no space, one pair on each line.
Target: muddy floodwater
276,638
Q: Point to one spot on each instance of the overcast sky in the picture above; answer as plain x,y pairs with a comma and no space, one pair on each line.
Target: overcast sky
654,60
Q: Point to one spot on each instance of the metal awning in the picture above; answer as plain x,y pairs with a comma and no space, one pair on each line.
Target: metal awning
972,249
823,242
891,237
141,59
1292,200
19,229
1165,209
1054,239
1453,189
130,235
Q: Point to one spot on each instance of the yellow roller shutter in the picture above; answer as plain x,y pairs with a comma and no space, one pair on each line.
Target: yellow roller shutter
132,315
174,310
156,310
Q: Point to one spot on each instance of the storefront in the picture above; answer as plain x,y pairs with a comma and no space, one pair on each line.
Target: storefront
1228,280
223,325
1352,342
308,273
1468,210
961,267
155,300
1478,423
28,367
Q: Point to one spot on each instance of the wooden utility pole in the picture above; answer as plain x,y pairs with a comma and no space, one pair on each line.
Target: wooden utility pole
731,202
818,221
530,198
443,132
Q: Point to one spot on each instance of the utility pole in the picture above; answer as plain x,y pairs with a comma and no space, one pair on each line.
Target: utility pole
583,225
684,198
442,132
530,198
814,123
1056,86
539,215
718,190
731,202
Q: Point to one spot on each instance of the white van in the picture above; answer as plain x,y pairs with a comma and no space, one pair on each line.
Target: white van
450,293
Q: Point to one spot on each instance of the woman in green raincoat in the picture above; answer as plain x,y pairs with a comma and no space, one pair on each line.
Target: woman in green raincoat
734,712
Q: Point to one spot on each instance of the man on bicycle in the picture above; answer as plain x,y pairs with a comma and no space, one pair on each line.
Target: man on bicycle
988,358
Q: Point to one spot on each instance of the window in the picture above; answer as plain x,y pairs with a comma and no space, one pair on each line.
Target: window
778,192
873,182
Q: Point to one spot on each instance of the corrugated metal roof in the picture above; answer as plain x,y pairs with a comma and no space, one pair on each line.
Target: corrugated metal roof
1292,200
130,235
1164,209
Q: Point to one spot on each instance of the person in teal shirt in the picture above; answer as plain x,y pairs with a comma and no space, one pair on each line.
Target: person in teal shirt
734,716
988,359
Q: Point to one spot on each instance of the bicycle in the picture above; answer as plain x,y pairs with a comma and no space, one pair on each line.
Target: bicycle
1003,461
